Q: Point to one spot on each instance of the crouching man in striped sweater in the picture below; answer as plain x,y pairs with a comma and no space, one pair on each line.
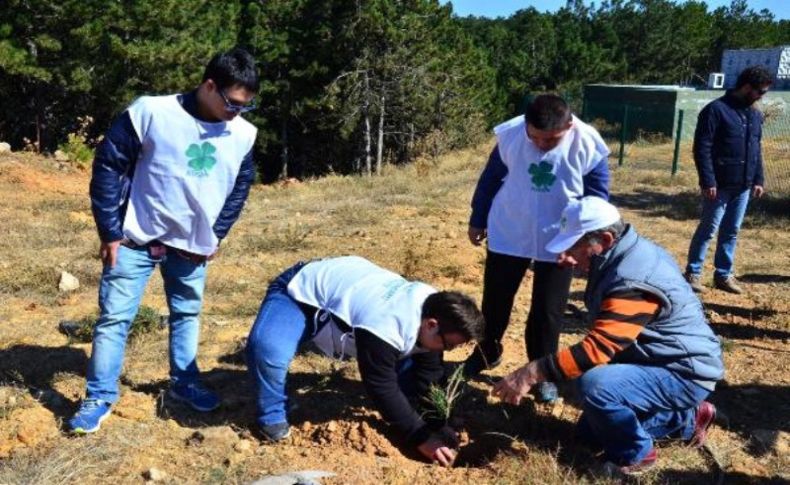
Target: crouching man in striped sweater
650,358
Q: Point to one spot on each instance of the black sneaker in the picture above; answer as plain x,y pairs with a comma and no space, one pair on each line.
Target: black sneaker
275,432
479,361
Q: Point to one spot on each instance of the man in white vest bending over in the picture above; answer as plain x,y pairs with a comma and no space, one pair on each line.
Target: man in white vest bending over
542,160
397,329
169,180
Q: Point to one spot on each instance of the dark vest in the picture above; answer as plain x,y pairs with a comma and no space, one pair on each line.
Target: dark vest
680,338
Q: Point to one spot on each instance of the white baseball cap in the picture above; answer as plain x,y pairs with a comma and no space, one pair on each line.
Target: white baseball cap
579,217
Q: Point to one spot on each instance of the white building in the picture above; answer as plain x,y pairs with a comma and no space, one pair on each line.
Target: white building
775,59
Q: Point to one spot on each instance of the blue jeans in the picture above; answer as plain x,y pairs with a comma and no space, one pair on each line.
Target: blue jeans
725,213
120,291
282,325
626,406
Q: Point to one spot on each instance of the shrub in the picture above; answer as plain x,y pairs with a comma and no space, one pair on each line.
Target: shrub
146,321
77,150
77,147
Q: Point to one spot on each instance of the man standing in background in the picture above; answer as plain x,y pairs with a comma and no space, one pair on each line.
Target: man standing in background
169,180
542,160
730,166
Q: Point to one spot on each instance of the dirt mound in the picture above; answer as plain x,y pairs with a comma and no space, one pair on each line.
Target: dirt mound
358,436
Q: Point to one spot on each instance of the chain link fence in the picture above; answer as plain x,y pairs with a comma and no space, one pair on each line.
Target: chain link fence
660,138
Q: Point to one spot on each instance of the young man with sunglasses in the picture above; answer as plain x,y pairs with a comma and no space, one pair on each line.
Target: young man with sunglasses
729,162
169,180
349,307
542,159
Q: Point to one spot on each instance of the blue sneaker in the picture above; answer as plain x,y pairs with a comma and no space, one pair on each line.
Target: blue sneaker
195,395
546,392
89,416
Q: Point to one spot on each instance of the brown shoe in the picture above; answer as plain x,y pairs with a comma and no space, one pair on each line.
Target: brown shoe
695,281
728,284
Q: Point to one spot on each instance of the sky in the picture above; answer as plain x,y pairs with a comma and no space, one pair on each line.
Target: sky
504,8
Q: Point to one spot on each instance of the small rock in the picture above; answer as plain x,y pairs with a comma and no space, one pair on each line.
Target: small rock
5,147
450,235
306,477
61,156
68,282
214,436
154,475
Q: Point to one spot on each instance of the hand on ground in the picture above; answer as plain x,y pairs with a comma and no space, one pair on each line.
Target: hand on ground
437,450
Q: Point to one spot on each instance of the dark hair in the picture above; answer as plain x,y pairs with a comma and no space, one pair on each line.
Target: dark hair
233,68
548,112
455,312
755,76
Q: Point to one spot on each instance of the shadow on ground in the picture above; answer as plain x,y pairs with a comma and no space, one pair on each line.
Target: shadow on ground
753,409
681,207
686,206
35,368
758,278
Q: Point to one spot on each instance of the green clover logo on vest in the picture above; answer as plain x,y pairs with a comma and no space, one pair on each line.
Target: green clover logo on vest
201,159
542,178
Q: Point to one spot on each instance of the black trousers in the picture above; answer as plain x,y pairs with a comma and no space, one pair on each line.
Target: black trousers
550,290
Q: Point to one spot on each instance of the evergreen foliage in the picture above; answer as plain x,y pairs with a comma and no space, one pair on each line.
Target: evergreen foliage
348,85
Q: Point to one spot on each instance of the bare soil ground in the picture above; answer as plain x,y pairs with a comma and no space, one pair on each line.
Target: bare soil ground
412,220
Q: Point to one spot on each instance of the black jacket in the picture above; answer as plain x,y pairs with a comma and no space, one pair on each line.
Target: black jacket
727,144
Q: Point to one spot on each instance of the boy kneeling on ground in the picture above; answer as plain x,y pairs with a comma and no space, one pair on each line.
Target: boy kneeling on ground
397,329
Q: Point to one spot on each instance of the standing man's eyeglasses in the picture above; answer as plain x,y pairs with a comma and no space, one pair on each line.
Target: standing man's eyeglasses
236,108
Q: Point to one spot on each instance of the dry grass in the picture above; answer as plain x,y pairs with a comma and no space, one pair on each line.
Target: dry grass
413,220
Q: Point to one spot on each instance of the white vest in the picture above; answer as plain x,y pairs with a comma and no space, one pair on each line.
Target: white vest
185,172
538,186
365,296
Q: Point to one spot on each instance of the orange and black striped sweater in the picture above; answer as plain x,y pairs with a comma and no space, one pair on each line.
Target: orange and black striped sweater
622,317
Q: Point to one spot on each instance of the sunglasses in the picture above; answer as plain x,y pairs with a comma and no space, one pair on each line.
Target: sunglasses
236,108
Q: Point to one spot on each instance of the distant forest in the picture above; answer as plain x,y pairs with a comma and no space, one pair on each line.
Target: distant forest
348,85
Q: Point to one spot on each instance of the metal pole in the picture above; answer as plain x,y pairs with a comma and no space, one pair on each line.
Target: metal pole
623,130
678,134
